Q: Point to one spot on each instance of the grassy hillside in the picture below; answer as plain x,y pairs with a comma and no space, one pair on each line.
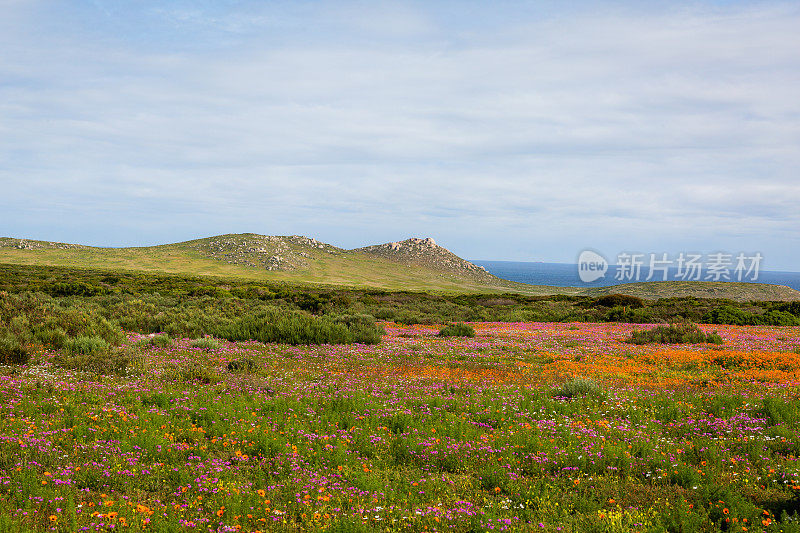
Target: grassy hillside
256,257
414,264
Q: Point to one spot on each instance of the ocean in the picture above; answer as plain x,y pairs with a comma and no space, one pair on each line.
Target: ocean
566,275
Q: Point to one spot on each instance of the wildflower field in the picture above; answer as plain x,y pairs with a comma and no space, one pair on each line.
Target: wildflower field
524,427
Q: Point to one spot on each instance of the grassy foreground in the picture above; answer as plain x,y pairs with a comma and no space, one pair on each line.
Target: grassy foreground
525,427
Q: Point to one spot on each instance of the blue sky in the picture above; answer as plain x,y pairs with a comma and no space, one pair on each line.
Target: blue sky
505,130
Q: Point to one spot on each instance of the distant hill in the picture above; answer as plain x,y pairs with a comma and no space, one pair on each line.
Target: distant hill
425,252
412,264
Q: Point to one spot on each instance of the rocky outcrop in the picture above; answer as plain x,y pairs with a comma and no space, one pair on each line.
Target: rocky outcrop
27,244
425,252
271,252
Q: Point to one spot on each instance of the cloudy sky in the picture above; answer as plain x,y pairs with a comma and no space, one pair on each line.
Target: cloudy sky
505,130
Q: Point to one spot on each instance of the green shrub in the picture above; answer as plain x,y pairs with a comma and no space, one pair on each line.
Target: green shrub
777,318
385,313
12,352
407,318
457,330
626,314
617,300
242,365
53,337
578,387
94,360
297,328
75,289
208,344
86,346
790,307
674,334
192,372
362,327
157,341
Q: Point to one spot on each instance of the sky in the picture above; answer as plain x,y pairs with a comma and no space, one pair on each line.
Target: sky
505,130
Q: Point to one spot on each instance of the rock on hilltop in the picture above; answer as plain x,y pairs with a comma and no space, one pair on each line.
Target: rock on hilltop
271,252
425,252
29,244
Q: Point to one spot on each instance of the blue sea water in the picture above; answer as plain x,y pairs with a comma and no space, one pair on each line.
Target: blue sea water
566,275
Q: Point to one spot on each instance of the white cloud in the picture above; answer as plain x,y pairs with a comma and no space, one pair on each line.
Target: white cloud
668,122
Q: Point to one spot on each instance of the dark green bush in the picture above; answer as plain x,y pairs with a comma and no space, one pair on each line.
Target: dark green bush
242,365
621,300
790,307
777,318
75,289
727,314
298,328
457,330
625,314
674,334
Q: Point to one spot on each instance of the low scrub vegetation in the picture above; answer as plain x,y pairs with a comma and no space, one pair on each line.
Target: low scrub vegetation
579,387
674,334
299,328
208,344
457,330
185,306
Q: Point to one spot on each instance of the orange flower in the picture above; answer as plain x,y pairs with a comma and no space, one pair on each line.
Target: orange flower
221,511
261,492
725,511
53,518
